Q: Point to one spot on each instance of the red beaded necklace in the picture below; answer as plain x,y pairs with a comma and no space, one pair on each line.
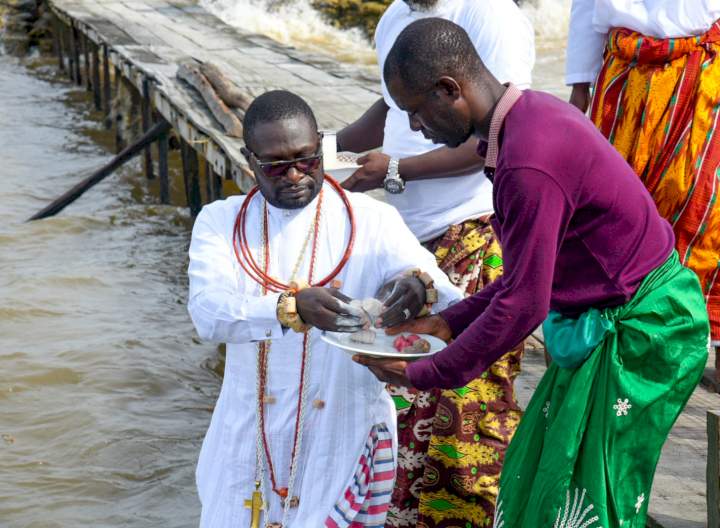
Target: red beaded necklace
248,263
269,283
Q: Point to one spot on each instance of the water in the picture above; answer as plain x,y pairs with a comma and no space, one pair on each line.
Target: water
104,393
296,23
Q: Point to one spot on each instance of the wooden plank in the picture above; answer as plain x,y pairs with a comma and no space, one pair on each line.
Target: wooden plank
713,469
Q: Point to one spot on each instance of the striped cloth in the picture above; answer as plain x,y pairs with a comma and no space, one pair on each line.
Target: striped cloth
658,102
366,499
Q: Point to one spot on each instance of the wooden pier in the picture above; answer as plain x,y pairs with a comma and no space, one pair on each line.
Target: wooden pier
108,45
136,46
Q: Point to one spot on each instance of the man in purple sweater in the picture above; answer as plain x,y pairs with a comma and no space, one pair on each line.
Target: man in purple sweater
588,256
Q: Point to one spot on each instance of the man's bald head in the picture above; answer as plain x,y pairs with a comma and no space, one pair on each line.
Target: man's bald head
434,73
431,48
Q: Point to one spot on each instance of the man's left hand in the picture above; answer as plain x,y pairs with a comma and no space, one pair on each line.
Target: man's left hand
370,175
386,370
404,299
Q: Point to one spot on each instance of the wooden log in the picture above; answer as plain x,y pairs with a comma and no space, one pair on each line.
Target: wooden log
97,98
229,121
103,172
713,469
106,85
163,149
231,95
146,104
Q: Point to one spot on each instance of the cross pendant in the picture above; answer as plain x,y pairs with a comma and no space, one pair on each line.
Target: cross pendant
255,505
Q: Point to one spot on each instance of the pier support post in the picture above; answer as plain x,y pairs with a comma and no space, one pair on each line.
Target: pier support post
119,143
713,469
106,85
184,147
209,175
163,148
57,41
75,49
71,52
96,79
86,60
191,176
146,119
217,185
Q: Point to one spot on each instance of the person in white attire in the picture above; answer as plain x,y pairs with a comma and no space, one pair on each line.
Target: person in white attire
446,200
301,436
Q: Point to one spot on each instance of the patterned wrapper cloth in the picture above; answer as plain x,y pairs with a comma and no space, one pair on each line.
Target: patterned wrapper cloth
658,102
586,450
453,442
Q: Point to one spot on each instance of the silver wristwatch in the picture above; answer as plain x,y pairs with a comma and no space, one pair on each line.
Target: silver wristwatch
393,183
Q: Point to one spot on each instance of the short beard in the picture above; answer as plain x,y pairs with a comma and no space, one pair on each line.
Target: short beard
421,5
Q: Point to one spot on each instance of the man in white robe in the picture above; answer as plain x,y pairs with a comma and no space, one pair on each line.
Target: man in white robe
344,467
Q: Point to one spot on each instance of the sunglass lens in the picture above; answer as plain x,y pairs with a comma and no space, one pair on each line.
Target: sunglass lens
275,171
308,165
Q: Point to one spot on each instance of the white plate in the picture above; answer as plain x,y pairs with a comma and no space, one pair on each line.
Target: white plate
341,166
382,347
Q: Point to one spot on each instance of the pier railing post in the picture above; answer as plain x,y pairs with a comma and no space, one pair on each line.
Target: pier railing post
713,469
146,119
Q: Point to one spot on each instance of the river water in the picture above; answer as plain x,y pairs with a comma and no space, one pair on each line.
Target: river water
105,391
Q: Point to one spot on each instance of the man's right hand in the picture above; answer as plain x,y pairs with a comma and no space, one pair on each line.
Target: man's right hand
370,175
328,309
433,325
580,96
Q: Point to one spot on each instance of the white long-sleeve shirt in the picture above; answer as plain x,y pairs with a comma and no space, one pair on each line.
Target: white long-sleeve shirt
505,40
591,20
227,306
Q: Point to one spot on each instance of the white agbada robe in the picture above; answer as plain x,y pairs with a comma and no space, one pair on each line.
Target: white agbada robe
226,306
591,20
505,40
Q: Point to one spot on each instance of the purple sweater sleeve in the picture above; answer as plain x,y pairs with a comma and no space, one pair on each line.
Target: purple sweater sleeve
534,213
461,314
